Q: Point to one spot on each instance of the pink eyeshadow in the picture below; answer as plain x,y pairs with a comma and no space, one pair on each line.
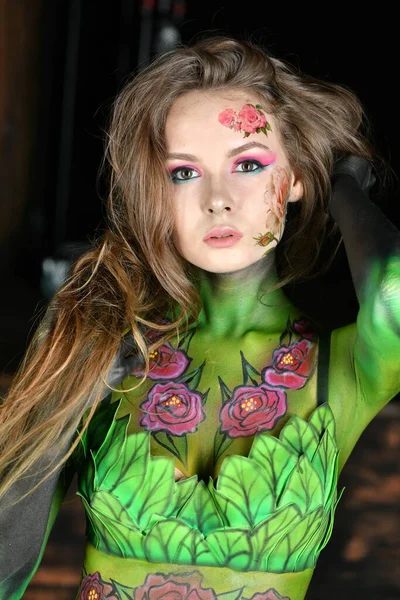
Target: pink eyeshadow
263,159
183,166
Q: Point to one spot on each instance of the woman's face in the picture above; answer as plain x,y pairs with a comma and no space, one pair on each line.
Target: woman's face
226,183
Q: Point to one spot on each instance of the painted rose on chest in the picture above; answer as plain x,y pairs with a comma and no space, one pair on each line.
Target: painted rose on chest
165,363
291,365
174,407
252,409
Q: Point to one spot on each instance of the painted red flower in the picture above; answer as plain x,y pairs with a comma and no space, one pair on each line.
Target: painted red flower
251,118
172,407
165,363
304,328
227,117
93,588
291,366
252,409
270,594
174,587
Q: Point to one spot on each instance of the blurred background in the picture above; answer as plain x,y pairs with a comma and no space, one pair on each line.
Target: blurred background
61,65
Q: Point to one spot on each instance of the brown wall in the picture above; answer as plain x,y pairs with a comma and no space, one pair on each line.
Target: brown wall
20,75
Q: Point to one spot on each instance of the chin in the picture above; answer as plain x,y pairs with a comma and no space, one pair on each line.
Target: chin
227,266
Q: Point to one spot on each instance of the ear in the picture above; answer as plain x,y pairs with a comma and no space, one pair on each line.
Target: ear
296,189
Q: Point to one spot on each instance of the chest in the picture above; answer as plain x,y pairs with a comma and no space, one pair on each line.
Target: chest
204,399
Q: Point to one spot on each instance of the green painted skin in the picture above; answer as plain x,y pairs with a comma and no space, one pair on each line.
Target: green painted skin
228,515
259,504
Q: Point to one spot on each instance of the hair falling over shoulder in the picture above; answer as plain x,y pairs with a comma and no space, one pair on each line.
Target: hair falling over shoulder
134,275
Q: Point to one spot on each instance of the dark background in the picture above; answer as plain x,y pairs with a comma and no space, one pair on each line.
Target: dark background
61,64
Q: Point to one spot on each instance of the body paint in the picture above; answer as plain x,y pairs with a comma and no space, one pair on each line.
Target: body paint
186,585
265,160
250,119
275,196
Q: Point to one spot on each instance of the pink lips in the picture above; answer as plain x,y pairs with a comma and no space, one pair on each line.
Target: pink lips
231,237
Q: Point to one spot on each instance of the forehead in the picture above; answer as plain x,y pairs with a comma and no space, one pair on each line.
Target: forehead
194,116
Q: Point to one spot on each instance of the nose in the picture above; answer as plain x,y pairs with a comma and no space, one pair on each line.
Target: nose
217,200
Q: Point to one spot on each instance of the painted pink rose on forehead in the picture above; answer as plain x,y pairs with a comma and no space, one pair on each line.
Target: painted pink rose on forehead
250,119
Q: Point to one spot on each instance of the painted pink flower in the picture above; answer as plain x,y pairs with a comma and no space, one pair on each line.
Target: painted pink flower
304,328
270,594
93,587
251,119
165,363
174,587
291,366
252,409
172,407
228,118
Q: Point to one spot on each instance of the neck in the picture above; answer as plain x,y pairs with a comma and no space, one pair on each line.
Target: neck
239,302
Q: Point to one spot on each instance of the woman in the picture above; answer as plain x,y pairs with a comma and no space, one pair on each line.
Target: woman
212,466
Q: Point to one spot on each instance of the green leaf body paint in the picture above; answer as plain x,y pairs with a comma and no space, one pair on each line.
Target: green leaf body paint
270,511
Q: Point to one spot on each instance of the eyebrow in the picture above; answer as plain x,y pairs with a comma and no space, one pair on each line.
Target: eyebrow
230,154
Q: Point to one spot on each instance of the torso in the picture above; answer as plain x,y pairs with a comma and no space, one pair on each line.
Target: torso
206,400
223,370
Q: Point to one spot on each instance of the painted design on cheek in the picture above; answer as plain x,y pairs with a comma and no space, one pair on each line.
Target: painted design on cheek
264,239
275,197
250,119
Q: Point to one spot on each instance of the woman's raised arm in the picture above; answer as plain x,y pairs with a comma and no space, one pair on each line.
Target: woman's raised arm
372,245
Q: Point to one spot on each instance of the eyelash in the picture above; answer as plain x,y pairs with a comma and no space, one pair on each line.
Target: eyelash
175,179
250,161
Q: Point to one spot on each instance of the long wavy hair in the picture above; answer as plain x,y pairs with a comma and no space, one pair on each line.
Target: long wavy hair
133,276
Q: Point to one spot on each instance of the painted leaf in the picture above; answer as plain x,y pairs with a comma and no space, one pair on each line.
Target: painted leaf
233,595
172,541
329,529
128,475
268,533
308,556
242,482
184,488
177,445
200,511
322,419
221,443
156,493
86,477
232,547
91,532
220,503
276,460
124,592
105,539
112,445
226,393
184,341
192,379
250,374
300,436
106,508
303,487
284,554
325,463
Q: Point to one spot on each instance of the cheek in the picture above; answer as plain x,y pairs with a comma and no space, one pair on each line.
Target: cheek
276,192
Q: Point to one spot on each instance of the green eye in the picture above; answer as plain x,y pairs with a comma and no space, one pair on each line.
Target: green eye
182,174
248,166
